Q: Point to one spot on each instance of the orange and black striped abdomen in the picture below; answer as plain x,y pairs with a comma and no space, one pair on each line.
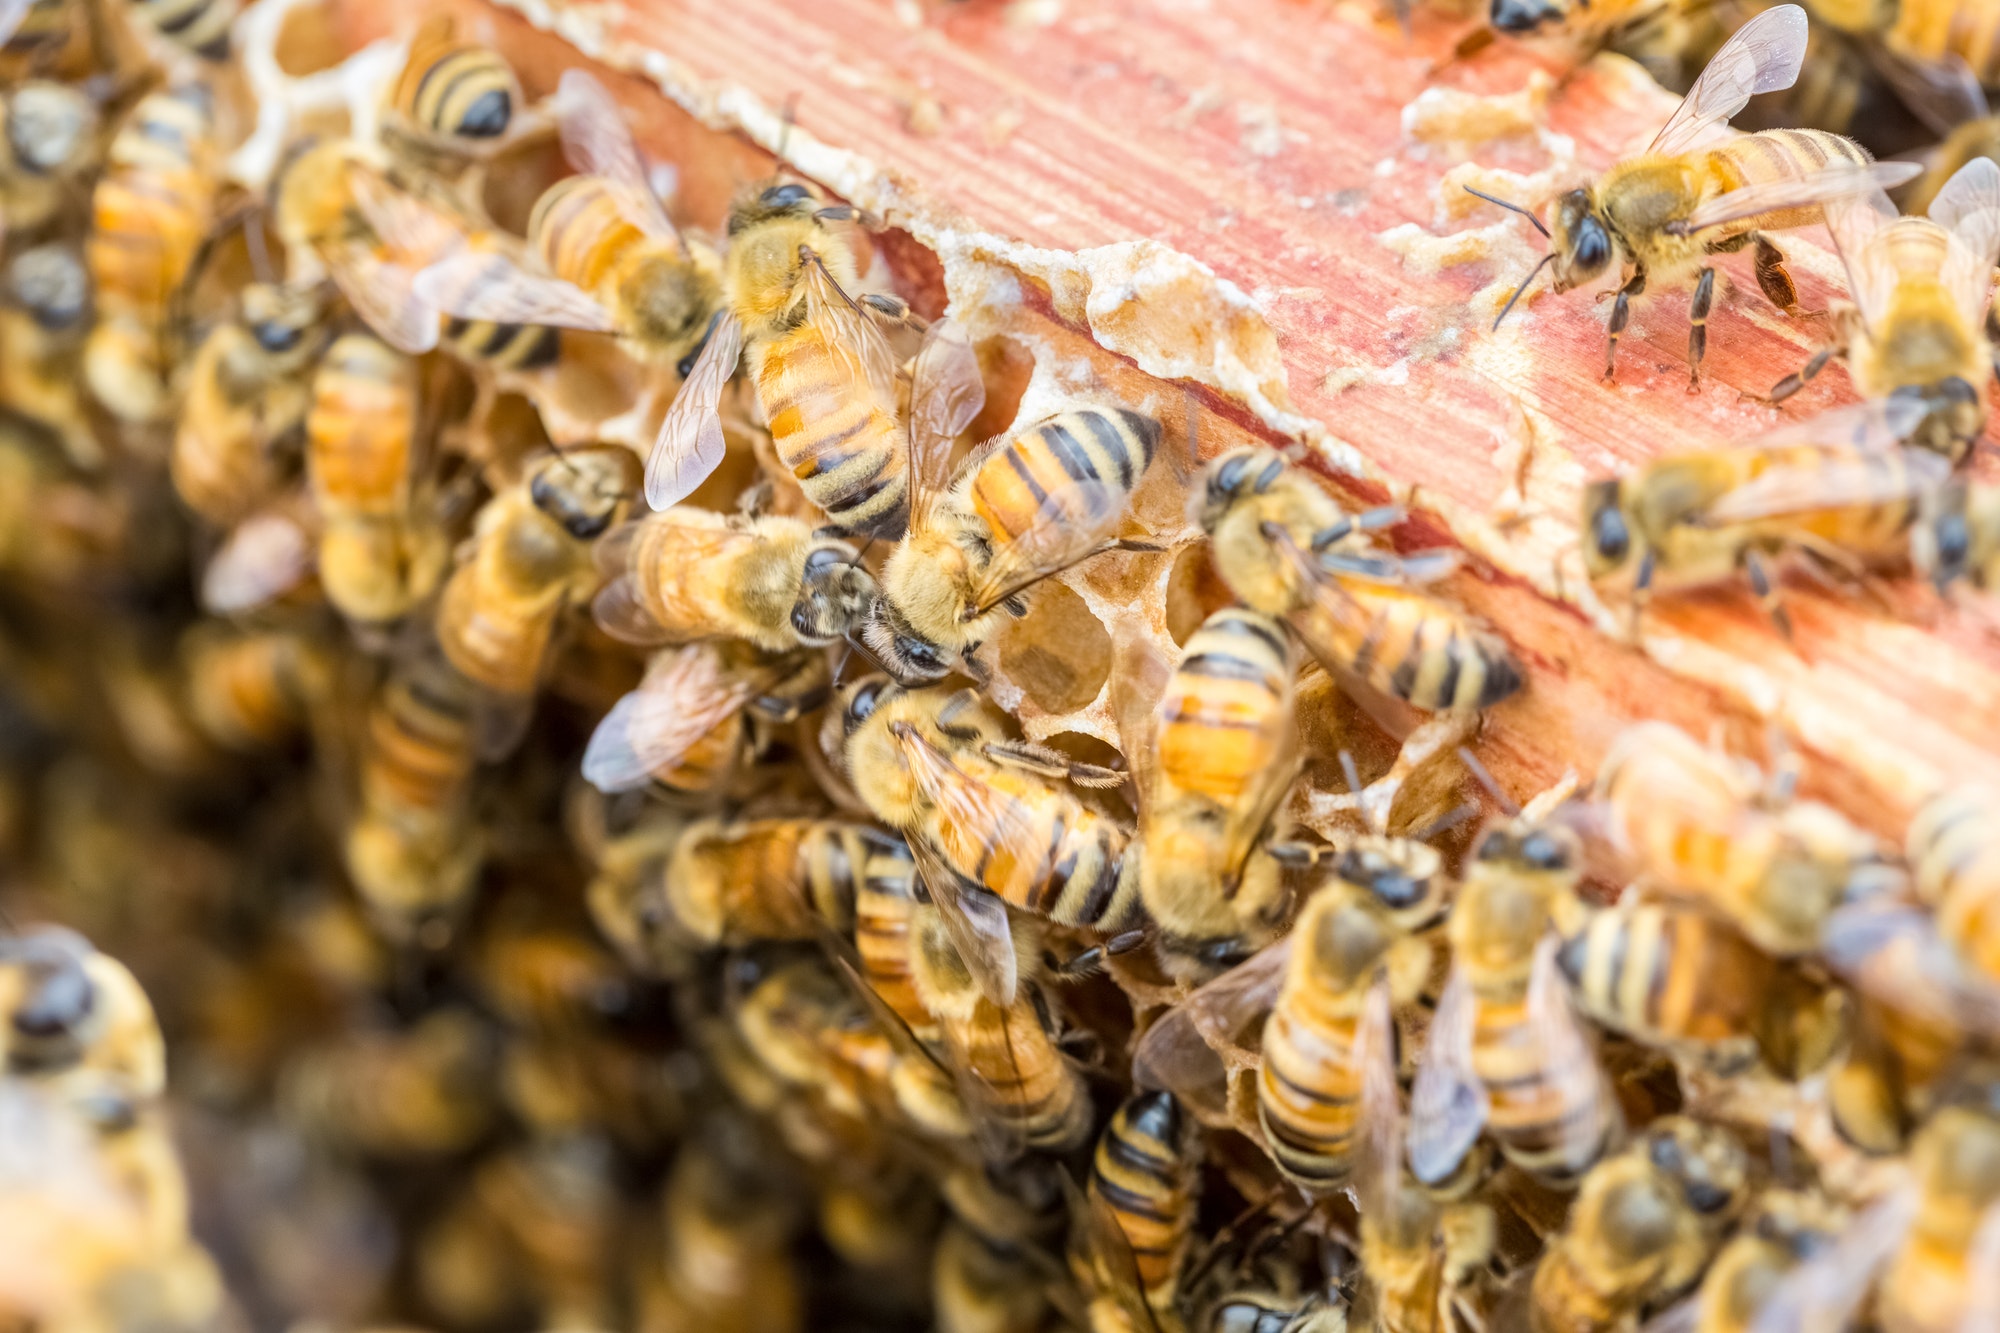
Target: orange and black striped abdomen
454,91
1772,155
1031,1085
884,903
358,434
1216,716
1083,462
503,346
583,228
1309,1086
1552,1122
1411,646
1145,1177
200,26
151,206
710,762
1875,530
420,740
847,450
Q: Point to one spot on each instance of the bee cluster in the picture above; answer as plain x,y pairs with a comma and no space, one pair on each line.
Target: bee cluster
516,704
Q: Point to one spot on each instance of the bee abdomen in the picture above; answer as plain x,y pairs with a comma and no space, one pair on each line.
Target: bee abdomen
467,92
1307,1100
583,230
1144,1176
1105,451
1424,653
200,26
826,426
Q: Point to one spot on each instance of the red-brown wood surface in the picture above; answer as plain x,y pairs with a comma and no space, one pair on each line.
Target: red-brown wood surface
1267,140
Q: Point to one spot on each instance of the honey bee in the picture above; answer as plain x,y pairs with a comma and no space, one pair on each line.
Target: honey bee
48,144
824,372
991,822
1957,536
44,317
1286,548
728,1262
149,212
1667,210
885,907
1505,1051
980,1287
378,556
542,980
1955,856
731,883
687,573
1921,288
1643,1227
244,413
605,233
1049,498
1944,40
452,97
1673,975
199,26
1837,488
1010,1067
254,690
1779,1231
1213,751
1698,823
689,726
423,1092
1140,1206
529,559
77,1016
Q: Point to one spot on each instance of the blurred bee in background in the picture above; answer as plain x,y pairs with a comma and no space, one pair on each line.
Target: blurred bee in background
150,210
1837,489
1957,536
76,1015
425,1091
197,26
380,550
1140,1209
453,98
1670,208
44,317
728,1265
979,1287
51,139
1954,854
1780,1230
254,690
243,417
1921,289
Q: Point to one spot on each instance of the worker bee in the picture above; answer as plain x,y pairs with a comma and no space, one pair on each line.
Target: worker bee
824,371
1213,749
1955,856
150,210
1780,1230
1941,43
1957,536
199,26
1505,1051
49,138
75,1015
1010,1069
244,413
1676,976
980,1287
1921,288
379,555
885,907
1140,1205
732,883
689,573
425,1091
689,725
44,316
1667,210
1698,823
1643,1227
1837,488
452,97
254,690
1050,497
993,823
1286,548
728,1262
529,559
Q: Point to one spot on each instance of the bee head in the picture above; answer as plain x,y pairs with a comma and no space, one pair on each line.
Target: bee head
583,490
905,654
1709,1165
1541,849
1941,545
279,318
860,700
768,203
1607,533
1580,241
1233,477
50,283
835,594
55,999
1518,16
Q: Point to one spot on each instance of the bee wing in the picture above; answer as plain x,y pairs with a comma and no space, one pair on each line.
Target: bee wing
597,142
1559,1034
1942,92
1835,483
1820,187
1826,1290
1072,524
690,445
11,14
1879,425
976,921
419,231
946,393
686,694
1224,1009
263,558
1895,955
1855,220
1388,568
1174,1057
1139,677
833,310
1763,56
1969,208
1379,1170
382,293
488,285
1448,1103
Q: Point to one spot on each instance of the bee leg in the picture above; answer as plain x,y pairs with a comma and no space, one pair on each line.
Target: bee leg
1778,286
1642,588
894,310
1704,299
1766,589
1370,520
1621,315
1087,962
1798,379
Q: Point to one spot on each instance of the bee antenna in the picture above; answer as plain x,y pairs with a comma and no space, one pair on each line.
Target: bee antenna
253,244
1486,780
1511,208
840,667
1505,310
1445,822
1350,772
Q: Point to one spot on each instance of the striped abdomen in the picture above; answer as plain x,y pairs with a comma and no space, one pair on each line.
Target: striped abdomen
1954,847
1033,1088
1771,155
251,691
151,206
502,346
494,633
358,434
1551,1120
884,902
1219,717
782,879
688,572
1145,1176
847,450
457,92
1082,463
1877,530
583,227
200,26
1309,1084
1667,973
707,765
420,740
1409,645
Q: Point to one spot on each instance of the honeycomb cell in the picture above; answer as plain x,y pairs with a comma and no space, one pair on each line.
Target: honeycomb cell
1058,653
1194,592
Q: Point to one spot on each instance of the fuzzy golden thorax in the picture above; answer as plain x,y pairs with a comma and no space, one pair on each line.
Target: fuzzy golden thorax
873,758
764,271
1245,551
1516,883
663,301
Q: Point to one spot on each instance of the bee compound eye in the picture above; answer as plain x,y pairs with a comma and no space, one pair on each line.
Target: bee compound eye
1609,534
785,196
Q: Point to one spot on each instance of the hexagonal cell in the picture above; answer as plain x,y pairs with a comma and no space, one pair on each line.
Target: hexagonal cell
516,178
1194,592
595,381
1006,366
1058,653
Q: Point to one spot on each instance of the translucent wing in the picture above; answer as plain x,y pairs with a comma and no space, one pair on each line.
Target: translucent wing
1174,1057
1969,208
1224,1010
1896,956
417,231
1942,92
1378,1170
690,445
1763,56
834,312
488,285
381,292
1139,678
946,393
11,14
976,921
1072,524
686,694
1564,1049
263,558
1390,569
598,142
1881,424
1835,482
1819,187
1855,221
1827,1290
1448,1104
